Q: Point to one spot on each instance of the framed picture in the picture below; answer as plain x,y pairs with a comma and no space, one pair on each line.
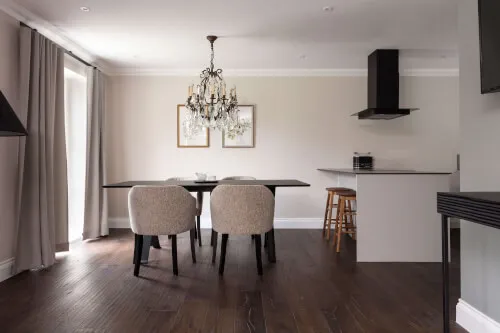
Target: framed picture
247,139
201,140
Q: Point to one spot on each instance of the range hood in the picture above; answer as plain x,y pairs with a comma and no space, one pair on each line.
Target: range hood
10,125
383,87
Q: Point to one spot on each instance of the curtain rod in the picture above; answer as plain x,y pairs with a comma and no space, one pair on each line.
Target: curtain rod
65,50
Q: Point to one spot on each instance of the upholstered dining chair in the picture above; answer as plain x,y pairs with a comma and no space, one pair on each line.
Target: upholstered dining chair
231,178
161,210
241,210
199,208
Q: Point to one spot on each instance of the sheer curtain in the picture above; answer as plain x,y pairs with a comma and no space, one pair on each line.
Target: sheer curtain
42,214
95,215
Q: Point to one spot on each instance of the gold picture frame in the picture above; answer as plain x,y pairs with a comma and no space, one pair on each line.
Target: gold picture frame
247,140
200,141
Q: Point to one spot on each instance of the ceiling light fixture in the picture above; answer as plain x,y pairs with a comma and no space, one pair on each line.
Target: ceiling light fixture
210,106
85,9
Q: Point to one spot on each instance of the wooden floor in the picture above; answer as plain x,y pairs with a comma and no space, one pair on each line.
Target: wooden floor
309,289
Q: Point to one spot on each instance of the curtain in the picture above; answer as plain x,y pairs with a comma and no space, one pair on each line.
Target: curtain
42,210
95,213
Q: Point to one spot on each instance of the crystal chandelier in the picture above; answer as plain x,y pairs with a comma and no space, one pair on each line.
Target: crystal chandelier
210,106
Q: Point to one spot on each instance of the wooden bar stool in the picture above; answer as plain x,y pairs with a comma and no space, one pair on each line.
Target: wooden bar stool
330,205
344,223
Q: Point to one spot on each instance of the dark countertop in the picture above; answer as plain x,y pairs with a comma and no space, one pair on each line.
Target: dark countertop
383,172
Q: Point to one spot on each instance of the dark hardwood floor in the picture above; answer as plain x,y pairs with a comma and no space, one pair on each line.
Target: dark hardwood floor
309,289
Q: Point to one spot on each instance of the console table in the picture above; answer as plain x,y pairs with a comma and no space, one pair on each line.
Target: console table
476,207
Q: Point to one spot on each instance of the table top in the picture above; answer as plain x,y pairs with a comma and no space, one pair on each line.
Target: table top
477,207
192,186
383,172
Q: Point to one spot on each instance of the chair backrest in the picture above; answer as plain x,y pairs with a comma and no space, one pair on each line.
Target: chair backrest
199,195
161,210
242,209
179,178
239,178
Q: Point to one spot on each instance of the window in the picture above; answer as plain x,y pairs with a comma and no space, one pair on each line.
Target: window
75,87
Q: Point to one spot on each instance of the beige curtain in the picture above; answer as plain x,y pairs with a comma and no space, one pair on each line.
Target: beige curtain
42,213
95,214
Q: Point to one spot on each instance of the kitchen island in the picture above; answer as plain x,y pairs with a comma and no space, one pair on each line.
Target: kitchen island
396,213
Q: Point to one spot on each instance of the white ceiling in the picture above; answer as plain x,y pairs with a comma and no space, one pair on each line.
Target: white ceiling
169,35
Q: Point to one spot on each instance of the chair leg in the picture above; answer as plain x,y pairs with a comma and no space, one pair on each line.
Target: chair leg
258,244
198,224
214,245
193,251
174,255
223,254
139,244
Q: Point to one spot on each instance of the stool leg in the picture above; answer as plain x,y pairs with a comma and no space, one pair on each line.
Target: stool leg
337,219
329,221
326,213
341,220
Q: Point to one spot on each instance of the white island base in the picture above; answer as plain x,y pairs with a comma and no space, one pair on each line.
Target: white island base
397,219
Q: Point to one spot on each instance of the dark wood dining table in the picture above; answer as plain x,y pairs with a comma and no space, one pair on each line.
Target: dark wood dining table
194,186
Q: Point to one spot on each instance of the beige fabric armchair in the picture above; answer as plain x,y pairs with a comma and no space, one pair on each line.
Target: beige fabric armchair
161,210
241,210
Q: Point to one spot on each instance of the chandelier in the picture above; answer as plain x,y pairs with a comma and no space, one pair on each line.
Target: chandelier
210,105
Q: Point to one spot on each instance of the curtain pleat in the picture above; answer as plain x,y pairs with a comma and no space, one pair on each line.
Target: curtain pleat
43,197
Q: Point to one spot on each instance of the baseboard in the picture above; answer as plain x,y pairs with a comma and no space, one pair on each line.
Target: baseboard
474,320
6,269
63,247
279,223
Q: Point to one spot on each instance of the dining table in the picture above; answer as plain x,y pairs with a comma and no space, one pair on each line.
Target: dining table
207,186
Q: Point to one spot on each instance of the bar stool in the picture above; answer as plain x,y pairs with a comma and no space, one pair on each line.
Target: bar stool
344,223
330,205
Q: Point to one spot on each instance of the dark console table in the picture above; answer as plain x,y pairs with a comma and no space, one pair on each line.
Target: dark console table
476,207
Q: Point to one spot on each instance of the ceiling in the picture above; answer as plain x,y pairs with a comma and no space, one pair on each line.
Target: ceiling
169,35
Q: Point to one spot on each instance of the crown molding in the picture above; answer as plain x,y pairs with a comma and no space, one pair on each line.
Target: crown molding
58,36
356,72
47,29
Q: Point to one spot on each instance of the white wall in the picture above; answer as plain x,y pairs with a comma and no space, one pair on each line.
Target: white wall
480,161
9,84
302,124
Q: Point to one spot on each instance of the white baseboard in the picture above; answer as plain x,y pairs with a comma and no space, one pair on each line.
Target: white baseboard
6,268
474,320
279,223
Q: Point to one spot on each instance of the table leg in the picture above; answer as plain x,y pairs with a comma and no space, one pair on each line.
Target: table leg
446,274
271,247
155,242
270,236
145,249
